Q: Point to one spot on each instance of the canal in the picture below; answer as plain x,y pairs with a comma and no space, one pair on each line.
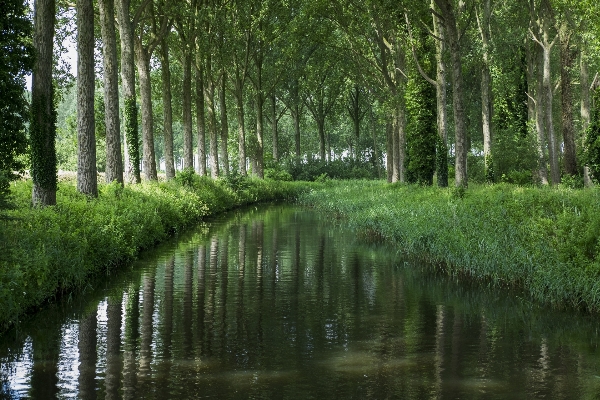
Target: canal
281,302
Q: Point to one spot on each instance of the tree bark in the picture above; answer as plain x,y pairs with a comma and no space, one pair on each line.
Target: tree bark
143,66
539,123
114,159
548,100
200,118
87,180
167,110
567,60
209,97
259,102
239,97
275,133
460,175
585,109
224,124
389,147
132,151
486,88
188,148
43,115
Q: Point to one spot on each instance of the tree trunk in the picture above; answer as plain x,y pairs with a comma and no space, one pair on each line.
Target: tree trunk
259,131
209,97
132,151
486,90
395,154
585,109
389,148
548,101
441,99
539,123
274,127
200,118
188,148
87,180
296,118
43,115
239,97
143,67
224,124
460,175
321,129
167,110
567,59
114,159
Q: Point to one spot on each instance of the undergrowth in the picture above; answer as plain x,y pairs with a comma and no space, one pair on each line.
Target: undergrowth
46,252
544,240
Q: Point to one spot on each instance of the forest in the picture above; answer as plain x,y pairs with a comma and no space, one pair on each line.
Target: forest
459,91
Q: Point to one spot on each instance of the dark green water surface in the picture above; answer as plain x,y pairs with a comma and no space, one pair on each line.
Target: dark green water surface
280,302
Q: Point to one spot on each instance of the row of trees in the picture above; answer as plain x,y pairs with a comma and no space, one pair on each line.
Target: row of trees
471,87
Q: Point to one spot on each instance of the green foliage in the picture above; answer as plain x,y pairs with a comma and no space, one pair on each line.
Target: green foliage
16,61
130,121
543,240
441,162
421,133
346,168
592,140
48,251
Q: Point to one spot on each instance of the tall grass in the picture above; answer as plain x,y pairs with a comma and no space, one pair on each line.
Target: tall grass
545,240
45,252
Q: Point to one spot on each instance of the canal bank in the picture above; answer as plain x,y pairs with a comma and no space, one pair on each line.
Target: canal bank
544,240
46,253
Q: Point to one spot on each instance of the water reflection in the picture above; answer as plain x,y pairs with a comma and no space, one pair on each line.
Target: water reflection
279,303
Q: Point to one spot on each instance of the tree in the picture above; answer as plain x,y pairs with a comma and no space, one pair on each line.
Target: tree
42,129
16,60
114,159
126,26
87,182
448,15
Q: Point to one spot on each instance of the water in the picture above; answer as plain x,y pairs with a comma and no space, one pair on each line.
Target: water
279,302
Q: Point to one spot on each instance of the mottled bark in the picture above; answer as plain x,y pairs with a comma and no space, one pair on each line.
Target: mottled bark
132,157
546,46
539,123
114,159
389,146
274,130
460,168
167,98
43,115
239,98
585,108
224,154
258,156
188,148
568,56
200,119
142,60
486,87
87,181
209,98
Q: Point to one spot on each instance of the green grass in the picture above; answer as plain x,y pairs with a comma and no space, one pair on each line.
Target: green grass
46,252
544,240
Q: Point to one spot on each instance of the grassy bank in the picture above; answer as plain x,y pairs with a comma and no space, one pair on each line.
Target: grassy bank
545,240
51,251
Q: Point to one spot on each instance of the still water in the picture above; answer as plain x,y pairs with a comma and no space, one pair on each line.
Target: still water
279,302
